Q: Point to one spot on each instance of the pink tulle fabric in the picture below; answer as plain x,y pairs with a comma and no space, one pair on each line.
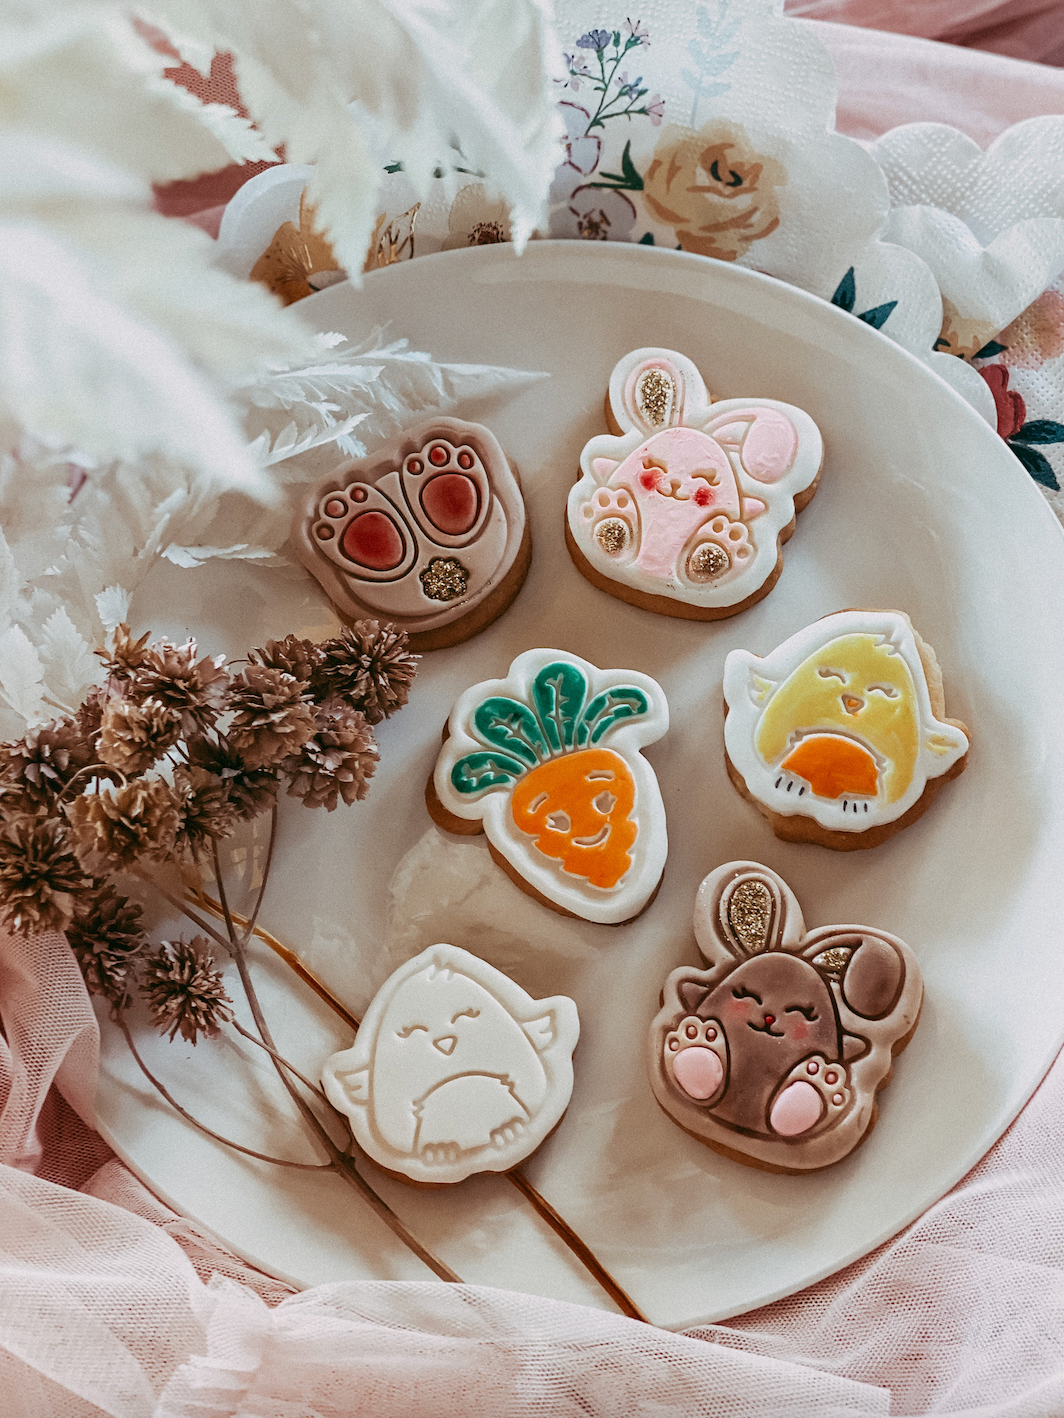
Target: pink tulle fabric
112,1305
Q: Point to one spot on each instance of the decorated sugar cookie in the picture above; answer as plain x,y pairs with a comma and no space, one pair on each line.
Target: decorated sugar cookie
775,1052
839,736
455,1069
429,533
683,509
547,762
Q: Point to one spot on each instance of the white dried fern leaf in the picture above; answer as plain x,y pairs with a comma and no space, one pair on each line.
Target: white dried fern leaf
378,388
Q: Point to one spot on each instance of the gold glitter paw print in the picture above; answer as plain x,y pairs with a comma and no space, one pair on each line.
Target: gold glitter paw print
444,579
723,547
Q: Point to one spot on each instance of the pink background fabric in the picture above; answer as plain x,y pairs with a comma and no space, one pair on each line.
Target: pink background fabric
1021,29
111,1304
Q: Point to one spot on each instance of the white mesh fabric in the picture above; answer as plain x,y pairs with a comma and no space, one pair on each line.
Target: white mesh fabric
101,1313
963,1313
49,1034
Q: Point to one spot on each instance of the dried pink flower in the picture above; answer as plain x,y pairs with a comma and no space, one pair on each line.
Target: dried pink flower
107,936
271,719
133,736
112,827
337,761
205,813
194,690
39,876
185,991
369,666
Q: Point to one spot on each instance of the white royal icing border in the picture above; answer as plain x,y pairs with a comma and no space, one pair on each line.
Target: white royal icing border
551,1028
744,716
698,412
603,906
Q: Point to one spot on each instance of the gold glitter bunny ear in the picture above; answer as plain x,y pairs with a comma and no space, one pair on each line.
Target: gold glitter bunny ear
392,240
751,912
652,390
744,909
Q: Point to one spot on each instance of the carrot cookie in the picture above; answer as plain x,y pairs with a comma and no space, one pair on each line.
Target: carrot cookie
774,1053
455,1069
684,507
839,736
429,533
547,763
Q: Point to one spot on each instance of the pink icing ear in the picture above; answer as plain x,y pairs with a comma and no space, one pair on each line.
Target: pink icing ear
768,449
603,467
767,441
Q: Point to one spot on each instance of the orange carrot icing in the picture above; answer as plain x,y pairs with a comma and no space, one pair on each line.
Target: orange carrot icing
578,809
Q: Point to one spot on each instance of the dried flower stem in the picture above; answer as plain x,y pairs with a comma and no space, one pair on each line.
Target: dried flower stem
249,924
254,1039
579,1247
343,1164
161,1088
193,916
290,958
98,769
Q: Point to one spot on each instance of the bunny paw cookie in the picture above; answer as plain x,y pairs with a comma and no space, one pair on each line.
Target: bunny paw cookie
547,763
774,1054
839,736
684,507
455,1069
429,533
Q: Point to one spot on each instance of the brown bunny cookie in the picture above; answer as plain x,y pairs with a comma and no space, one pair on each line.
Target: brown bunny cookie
774,1053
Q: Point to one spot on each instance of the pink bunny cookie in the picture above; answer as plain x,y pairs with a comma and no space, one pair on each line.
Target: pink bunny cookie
775,1053
684,507
429,533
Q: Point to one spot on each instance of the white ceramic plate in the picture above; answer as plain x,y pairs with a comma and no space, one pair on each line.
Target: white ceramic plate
921,507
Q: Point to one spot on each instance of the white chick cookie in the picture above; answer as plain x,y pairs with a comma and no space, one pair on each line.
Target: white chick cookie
455,1069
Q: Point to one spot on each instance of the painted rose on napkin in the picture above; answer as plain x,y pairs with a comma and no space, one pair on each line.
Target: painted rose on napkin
714,189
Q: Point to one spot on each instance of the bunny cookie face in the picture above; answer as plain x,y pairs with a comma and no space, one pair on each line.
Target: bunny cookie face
684,510
546,762
839,734
774,1054
430,532
455,1069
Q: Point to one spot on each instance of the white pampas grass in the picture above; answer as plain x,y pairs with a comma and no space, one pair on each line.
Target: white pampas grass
151,405
350,84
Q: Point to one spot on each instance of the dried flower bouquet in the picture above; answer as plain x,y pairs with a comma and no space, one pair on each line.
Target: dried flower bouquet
159,765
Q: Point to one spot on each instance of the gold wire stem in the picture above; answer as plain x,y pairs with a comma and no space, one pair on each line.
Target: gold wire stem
200,898
558,1224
